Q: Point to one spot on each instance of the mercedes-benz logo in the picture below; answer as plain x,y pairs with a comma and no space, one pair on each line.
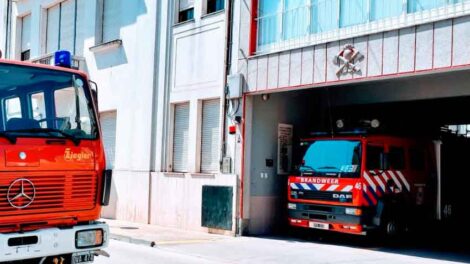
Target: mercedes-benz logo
21,193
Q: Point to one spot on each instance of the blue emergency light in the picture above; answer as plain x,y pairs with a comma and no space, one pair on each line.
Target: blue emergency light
63,58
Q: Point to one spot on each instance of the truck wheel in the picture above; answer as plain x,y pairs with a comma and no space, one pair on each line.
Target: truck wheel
391,228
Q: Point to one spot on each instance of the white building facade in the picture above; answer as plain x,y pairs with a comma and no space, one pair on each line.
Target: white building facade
160,69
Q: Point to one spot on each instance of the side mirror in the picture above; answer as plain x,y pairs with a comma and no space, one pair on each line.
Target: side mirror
94,92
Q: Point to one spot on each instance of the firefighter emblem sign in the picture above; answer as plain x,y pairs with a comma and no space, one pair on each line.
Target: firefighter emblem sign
348,60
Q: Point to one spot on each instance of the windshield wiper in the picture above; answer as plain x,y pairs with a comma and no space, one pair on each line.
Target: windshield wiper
328,168
75,140
307,169
8,136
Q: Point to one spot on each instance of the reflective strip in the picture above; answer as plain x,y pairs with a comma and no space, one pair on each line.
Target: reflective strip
347,188
397,182
332,187
367,198
318,186
305,186
402,177
294,186
371,183
379,181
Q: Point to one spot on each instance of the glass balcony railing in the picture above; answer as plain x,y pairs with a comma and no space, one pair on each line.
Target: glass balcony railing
285,23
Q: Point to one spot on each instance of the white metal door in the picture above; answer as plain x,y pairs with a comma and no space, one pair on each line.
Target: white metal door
180,138
108,130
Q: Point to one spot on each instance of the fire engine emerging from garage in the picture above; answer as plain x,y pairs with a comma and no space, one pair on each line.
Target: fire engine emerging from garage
360,182
53,180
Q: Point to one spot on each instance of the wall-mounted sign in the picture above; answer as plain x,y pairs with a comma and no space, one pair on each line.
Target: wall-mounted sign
284,148
348,60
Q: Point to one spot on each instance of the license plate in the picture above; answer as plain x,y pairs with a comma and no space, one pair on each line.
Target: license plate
317,225
83,257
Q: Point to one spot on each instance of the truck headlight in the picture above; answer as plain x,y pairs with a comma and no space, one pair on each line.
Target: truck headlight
89,238
353,211
292,206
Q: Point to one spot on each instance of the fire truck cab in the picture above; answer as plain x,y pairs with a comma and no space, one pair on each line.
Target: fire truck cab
360,182
53,179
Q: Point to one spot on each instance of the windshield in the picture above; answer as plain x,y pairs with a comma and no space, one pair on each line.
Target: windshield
45,103
340,158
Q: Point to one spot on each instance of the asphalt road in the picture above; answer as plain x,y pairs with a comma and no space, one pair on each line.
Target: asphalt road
278,250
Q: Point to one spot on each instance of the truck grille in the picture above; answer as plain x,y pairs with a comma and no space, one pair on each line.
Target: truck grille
345,197
54,192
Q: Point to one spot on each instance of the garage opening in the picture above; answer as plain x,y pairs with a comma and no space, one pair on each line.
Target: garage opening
422,107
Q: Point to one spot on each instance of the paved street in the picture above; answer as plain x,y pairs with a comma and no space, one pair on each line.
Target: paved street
272,250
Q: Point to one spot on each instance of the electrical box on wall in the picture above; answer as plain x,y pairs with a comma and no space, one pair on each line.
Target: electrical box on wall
226,165
235,84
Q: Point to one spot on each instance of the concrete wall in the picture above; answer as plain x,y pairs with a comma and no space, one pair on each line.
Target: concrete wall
177,199
266,190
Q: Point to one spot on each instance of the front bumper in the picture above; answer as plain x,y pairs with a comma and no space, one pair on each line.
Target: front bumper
50,242
334,217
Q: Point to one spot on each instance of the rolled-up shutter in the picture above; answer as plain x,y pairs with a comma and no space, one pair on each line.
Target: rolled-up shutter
52,37
180,138
111,25
186,4
67,25
210,136
26,33
80,28
108,127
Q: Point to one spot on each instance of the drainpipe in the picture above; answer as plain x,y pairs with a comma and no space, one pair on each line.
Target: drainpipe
8,28
228,65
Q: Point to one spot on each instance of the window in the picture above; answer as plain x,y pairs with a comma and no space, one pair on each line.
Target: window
268,21
324,15
353,12
385,8
38,108
416,159
421,5
295,20
396,158
181,138
214,6
26,38
13,108
65,22
281,21
375,158
62,103
185,10
111,15
74,117
210,131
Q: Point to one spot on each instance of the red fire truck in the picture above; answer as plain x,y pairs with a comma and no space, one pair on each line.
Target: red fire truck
360,182
53,180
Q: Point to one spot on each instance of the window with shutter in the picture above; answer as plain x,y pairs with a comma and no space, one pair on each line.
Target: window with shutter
67,25
25,37
185,10
180,138
53,27
210,131
111,15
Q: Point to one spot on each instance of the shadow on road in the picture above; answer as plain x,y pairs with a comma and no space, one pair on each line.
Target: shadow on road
445,246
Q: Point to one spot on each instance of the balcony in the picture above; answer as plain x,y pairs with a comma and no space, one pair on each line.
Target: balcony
284,25
78,62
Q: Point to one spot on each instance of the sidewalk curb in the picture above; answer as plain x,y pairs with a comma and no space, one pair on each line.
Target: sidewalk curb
132,240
